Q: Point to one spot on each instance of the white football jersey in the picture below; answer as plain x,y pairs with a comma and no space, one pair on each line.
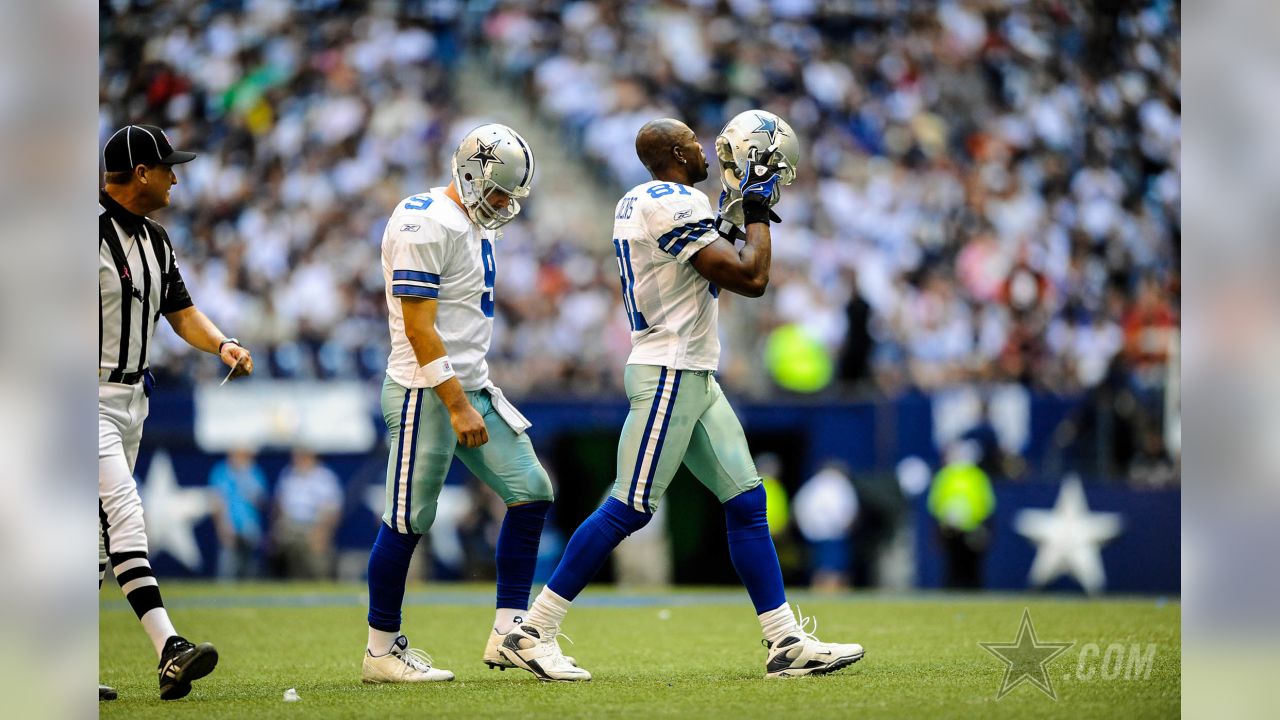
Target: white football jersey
431,249
657,228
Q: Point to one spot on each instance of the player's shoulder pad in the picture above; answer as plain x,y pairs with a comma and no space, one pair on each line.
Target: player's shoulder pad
427,217
669,204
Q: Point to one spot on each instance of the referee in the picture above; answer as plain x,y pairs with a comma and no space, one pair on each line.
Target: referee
138,281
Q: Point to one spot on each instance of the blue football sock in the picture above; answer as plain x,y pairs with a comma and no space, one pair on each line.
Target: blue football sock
752,551
517,554
388,570
591,544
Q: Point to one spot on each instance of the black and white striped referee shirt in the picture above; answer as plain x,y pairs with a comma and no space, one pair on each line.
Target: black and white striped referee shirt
138,281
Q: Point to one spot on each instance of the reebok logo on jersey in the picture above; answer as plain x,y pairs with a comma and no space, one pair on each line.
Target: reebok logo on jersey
683,214
410,227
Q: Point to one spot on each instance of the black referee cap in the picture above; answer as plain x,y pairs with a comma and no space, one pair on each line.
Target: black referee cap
134,145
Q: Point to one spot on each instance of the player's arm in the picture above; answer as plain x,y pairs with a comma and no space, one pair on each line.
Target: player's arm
420,328
746,271
200,333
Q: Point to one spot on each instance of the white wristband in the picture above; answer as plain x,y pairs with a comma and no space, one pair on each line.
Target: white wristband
436,371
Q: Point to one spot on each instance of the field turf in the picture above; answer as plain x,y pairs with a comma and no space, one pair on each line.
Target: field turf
692,653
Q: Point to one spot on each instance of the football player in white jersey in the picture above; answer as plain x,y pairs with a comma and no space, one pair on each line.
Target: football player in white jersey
672,263
437,400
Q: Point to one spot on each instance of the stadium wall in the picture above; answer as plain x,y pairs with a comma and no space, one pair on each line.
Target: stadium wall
577,440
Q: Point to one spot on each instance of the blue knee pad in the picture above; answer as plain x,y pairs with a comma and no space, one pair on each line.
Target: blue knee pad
751,549
621,517
591,544
746,516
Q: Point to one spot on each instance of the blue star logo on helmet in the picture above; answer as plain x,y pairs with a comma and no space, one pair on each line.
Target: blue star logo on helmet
485,155
769,126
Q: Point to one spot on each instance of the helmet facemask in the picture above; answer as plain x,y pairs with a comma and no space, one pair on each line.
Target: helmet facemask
477,166
483,212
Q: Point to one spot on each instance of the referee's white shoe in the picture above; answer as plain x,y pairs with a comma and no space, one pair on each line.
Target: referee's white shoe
494,659
803,654
535,649
402,664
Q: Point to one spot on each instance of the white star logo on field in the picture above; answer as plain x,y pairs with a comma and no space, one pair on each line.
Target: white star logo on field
172,512
1069,538
485,155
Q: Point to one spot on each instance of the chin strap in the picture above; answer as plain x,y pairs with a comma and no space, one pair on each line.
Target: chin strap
728,230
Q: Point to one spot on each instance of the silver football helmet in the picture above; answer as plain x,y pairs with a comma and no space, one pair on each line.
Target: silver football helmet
492,157
747,135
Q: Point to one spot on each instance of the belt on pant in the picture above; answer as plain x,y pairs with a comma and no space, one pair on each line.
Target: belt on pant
116,376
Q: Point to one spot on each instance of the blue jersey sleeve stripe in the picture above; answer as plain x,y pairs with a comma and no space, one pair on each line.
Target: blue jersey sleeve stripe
677,232
679,245
415,291
415,275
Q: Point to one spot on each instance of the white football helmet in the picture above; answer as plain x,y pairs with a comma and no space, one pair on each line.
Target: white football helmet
492,157
747,135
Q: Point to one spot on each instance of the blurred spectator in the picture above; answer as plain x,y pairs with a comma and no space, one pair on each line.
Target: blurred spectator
990,456
1150,335
777,507
239,497
1004,177
1103,434
308,507
826,507
961,501
854,369
644,560
1152,466
778,513
1031,148
477,528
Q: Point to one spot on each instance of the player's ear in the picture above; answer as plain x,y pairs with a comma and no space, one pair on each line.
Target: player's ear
140,172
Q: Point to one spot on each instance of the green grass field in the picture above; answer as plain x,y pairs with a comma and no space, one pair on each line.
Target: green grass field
686,654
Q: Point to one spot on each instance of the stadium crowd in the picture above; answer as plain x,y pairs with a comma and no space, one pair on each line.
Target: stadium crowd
989,189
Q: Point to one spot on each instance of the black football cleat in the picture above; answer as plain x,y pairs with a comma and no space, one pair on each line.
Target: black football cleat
182,663
106,693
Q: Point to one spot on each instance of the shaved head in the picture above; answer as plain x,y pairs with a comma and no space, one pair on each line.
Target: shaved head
670,150
656,139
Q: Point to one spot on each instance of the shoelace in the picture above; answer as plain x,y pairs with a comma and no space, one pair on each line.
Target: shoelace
553,636
804,631
416,658
804,625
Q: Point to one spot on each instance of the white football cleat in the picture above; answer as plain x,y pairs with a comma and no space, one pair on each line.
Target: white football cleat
535,649
803,654
402,665
494,659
